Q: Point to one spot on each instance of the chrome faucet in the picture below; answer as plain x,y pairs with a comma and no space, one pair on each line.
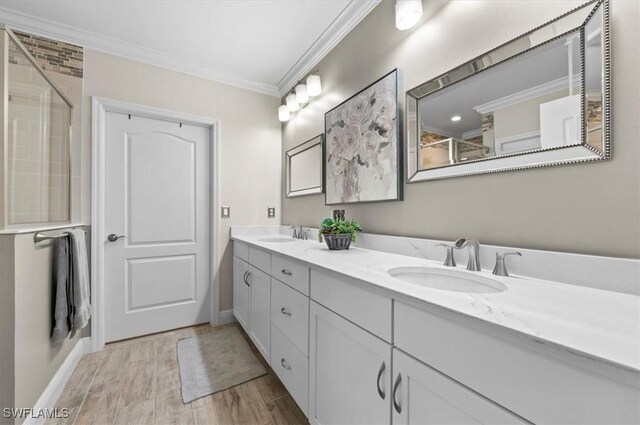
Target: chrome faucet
299,232
501,268
474,252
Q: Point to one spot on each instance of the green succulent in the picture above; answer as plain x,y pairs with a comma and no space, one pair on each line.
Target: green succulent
338,227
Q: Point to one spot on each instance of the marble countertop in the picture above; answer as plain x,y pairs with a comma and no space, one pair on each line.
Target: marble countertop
592,324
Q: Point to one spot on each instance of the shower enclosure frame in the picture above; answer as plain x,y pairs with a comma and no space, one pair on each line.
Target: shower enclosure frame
7,36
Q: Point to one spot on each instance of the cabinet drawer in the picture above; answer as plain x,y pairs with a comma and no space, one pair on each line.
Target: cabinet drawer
291,366
290,313
536,386
290,272
241,250
260,259
363,307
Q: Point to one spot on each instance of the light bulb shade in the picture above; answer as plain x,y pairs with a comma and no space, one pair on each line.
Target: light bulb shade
408,13
314,85
292,103
301,94
283,113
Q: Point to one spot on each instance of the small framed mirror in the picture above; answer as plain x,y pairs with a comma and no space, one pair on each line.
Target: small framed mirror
304,171
539,100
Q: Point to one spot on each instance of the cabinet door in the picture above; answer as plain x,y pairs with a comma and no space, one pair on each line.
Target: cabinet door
349,372
423,396
241,292
260,310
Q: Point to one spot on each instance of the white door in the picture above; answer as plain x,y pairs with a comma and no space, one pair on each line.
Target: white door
241,292
260,322
560,122
157,204
349,372
423,396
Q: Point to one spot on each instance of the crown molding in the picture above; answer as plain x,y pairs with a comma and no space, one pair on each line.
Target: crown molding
351,16
528,94
46,28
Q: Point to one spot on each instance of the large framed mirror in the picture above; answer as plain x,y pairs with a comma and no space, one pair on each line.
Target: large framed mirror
539,100
303,168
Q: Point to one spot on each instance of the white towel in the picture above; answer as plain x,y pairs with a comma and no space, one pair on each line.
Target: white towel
80,289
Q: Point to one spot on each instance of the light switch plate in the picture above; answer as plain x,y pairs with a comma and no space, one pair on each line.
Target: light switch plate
271,212
225,212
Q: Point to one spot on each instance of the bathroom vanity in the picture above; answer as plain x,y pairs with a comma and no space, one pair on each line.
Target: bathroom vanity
354,344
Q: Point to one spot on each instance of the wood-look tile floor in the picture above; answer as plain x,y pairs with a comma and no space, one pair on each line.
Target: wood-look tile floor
137,381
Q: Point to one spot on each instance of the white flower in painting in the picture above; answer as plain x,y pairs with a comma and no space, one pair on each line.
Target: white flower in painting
338,166
347,143
370,146
384,112
358,110
334,140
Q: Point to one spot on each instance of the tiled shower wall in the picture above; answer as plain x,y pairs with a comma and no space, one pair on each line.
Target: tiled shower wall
43,176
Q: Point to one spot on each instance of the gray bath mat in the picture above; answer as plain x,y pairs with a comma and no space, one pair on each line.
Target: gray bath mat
214,362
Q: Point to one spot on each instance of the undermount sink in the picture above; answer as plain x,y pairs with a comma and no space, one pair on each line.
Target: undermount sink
280,239
447,280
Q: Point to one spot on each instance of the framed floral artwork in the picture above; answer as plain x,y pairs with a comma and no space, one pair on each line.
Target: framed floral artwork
363,146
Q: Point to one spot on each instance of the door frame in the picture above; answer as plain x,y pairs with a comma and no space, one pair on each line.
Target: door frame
100,106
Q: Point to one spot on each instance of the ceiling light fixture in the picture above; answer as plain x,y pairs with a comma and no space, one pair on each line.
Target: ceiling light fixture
283,113
292,102
314,85
408,13
302,96
456,118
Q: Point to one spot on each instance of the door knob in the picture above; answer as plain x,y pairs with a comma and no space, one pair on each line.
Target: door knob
113,237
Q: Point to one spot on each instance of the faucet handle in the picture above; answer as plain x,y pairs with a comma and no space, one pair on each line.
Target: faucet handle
450,261
501,268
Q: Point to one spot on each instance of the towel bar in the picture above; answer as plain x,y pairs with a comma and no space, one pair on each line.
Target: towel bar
39,237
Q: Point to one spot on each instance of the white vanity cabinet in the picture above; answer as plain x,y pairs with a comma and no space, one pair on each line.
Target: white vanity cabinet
350,369
340,345
252,294
423,396
241,292
260,312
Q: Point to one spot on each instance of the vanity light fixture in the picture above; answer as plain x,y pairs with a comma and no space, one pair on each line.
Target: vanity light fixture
283,113
292,102
408,13
456,118
302,96
314,85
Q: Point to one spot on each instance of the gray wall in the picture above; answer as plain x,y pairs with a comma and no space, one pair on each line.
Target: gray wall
7,325
588,208
37,358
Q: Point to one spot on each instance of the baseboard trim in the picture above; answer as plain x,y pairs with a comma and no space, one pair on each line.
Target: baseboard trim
52,392
226,317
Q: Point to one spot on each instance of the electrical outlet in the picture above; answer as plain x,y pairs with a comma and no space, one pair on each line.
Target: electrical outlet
225,212
271,212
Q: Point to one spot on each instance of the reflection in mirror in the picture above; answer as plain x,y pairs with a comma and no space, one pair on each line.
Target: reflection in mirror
594,79
538,100
530,102
303,166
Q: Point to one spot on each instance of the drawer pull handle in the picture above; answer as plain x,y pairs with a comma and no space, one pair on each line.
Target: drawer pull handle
285,312
396,405
380,372
284,364
246,278
286,272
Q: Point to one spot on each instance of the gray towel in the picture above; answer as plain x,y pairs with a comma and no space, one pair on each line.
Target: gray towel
61,281
80,291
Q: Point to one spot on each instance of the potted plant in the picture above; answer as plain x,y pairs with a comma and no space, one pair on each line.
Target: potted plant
338,233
